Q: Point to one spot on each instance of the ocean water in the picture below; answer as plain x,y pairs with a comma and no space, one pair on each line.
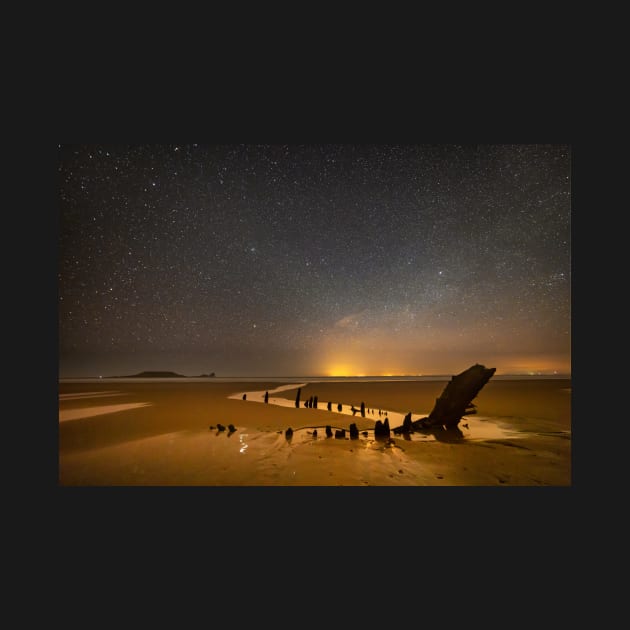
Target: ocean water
306,379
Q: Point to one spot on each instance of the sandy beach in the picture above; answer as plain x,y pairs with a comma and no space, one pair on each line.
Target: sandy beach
157,433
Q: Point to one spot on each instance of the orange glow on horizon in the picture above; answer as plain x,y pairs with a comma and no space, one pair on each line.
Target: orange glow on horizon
348,370
340,370
381,362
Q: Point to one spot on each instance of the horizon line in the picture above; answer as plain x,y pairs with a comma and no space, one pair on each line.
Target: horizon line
529,373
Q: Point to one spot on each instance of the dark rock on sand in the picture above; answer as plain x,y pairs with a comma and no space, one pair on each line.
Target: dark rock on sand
340,434
328,431
354,432
220,427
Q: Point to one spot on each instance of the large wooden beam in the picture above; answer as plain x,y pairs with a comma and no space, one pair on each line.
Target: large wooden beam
455,401
458,395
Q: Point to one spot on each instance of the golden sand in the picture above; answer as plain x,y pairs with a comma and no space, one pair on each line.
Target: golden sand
167,440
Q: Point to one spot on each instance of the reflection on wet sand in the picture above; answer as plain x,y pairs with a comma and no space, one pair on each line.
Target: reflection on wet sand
88,412
173,442
474,428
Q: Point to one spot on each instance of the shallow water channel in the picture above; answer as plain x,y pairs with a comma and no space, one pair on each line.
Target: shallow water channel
469,428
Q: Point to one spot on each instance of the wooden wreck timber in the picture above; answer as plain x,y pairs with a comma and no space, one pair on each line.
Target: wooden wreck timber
454,402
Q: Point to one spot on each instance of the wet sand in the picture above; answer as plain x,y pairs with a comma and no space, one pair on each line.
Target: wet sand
157,433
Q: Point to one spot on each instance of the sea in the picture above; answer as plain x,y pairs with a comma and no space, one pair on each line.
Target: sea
303,379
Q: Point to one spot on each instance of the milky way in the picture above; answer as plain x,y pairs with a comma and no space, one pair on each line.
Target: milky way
251,260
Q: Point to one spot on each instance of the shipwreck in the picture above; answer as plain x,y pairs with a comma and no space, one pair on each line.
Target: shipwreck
454,402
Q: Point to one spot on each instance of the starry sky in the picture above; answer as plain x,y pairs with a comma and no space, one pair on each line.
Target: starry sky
305,260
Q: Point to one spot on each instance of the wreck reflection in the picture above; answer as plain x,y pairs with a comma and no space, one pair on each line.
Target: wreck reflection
445,434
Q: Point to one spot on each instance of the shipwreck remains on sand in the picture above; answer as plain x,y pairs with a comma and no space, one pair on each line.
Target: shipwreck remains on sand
454,402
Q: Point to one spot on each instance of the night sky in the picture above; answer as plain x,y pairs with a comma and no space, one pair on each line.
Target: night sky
304,260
